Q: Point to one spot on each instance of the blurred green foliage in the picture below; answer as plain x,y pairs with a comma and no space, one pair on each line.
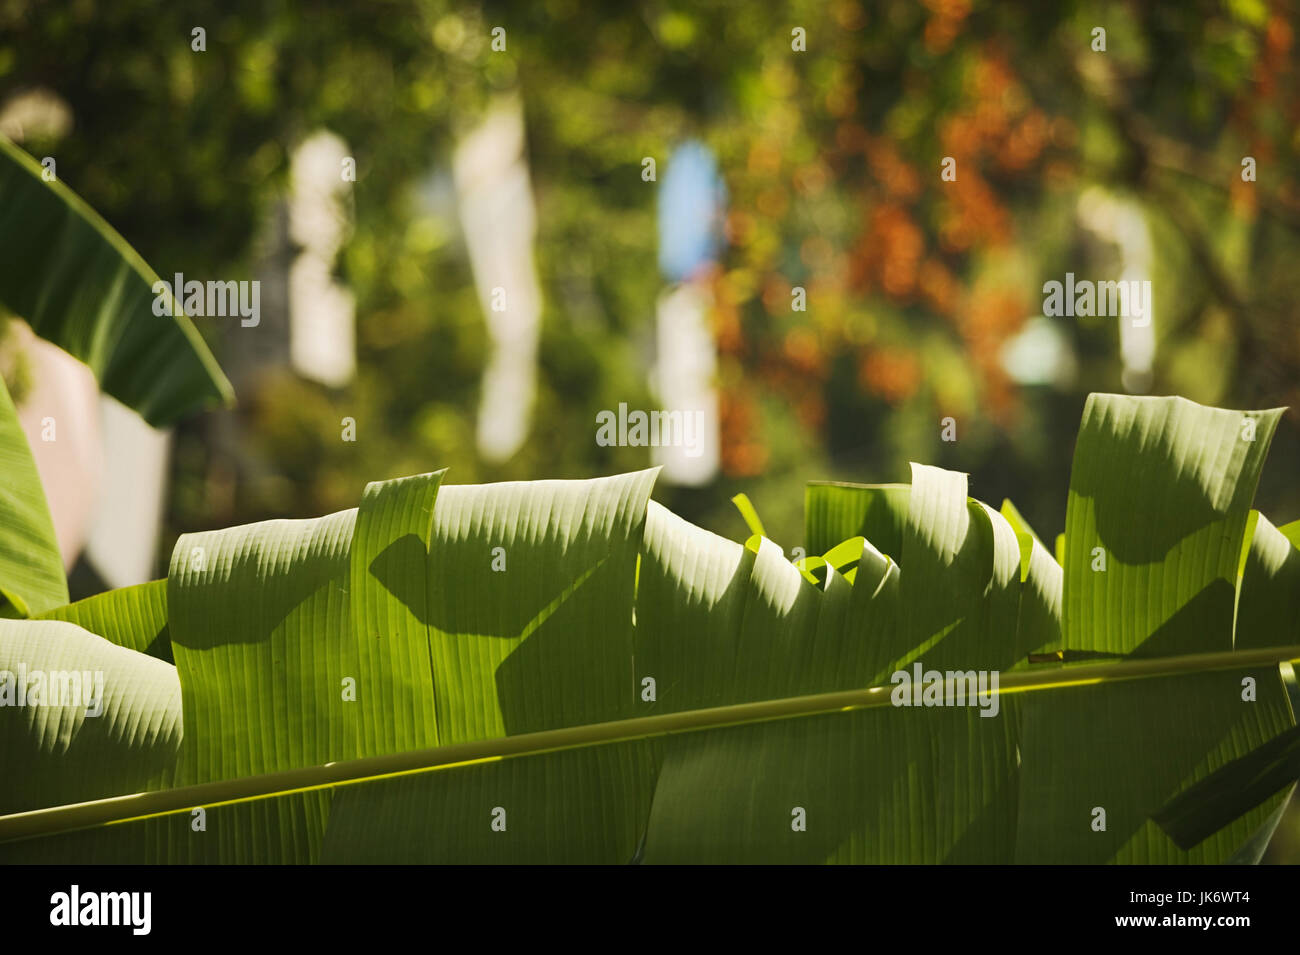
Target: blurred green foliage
832,160
832,163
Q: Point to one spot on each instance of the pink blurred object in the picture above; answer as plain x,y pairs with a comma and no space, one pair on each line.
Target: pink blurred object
61,419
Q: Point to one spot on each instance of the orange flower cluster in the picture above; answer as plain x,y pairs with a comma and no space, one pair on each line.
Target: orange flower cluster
1276,61
899,178
1001,125
940,289
992,315
975,217
1273,82
890,252
892,373
803,353
743,452
726,326
946,18
913,229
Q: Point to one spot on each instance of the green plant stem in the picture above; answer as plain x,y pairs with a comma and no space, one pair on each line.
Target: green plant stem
122,809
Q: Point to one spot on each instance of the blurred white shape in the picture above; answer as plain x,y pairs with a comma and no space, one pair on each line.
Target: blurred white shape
322,313
684,381
60,417
690,204
1123,222
38,113
322,326
500,223
1039,354
128,517
103,469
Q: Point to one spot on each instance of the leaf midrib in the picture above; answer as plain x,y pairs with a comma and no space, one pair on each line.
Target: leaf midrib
131,808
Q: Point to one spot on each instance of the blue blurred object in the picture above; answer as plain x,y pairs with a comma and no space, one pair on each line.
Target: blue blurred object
691,200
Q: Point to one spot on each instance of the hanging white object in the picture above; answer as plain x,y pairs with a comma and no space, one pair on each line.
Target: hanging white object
128,519
684,380
500,224
690,205
60,416
322,313
1123,222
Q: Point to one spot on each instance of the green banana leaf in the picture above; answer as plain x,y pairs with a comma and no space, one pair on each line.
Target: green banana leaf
78,284
1041,580
565,671
525,615
1270,588
114,728
1232,790
873,785
31,570
1159,496
835,511
133,617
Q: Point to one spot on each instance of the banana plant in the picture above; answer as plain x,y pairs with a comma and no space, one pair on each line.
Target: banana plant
78,283
566,671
